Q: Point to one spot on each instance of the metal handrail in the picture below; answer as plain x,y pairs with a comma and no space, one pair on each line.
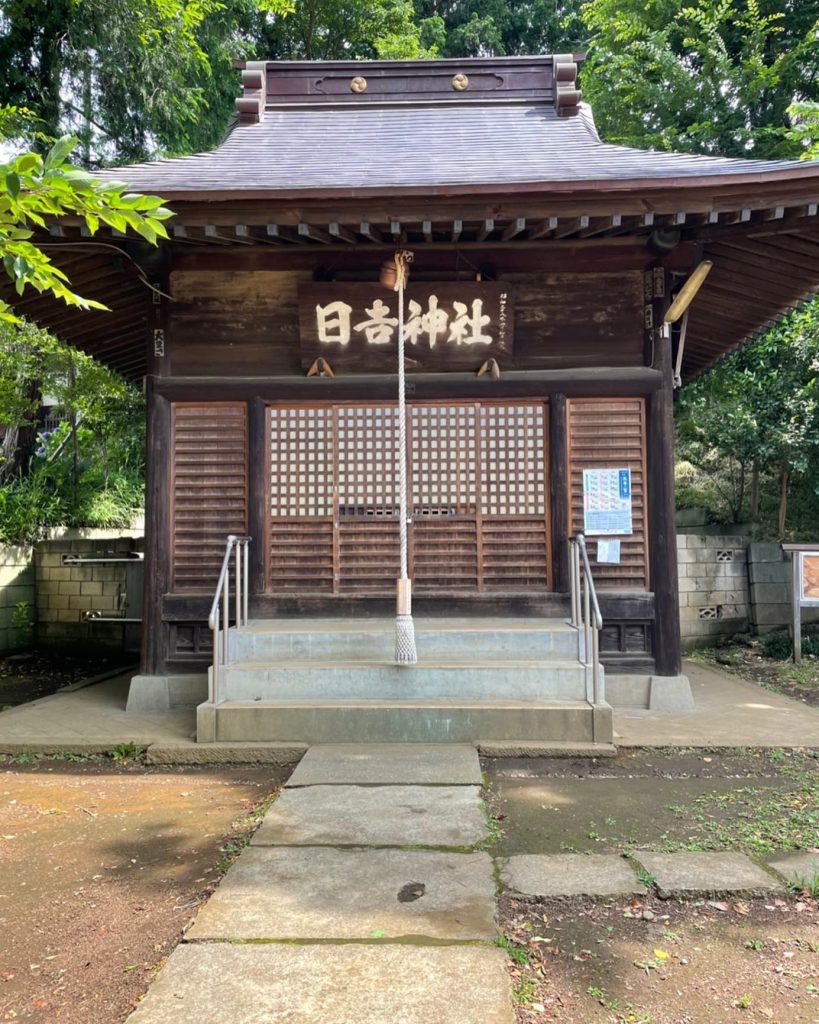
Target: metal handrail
586,613
219,617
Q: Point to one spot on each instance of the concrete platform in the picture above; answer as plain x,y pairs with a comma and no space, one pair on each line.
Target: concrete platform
706,873
797,868
349,984
728,712
408,764
569,874
402,721
446,816
294,893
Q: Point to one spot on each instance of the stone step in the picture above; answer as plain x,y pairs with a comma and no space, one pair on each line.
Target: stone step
328,639
403,721
442,680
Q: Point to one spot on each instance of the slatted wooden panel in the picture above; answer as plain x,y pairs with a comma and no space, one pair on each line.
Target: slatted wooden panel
478,498
209,489
444,443
514,509
610,434
302,498
367,475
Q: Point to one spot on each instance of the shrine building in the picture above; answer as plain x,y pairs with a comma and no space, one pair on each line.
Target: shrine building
560,289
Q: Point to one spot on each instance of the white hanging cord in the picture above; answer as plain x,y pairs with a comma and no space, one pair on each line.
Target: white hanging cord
405,653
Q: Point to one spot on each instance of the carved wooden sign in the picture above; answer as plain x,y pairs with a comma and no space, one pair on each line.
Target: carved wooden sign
447,326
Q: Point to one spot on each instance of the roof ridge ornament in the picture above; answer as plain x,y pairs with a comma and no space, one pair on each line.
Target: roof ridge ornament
250,105
567,95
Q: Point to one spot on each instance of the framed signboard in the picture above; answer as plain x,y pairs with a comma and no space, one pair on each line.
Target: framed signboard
607,502
451,325
808,578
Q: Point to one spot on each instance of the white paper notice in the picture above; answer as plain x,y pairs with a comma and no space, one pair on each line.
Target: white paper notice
607,502
608,552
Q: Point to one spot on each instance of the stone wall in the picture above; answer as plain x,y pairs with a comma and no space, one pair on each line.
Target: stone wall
16,589
65,591
714,593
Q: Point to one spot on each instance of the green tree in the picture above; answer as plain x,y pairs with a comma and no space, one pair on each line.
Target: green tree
476,28
757,414
34,188
708,76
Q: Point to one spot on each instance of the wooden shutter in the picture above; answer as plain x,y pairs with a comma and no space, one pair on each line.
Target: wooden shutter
610,434
208,489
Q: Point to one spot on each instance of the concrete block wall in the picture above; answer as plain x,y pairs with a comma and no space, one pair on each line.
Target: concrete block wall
16,586
65,592
714,594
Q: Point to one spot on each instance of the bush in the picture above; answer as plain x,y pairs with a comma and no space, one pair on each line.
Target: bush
779,646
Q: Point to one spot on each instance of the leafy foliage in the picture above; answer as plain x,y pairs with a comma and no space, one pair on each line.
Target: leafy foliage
757,411
708,76
35,187
88,470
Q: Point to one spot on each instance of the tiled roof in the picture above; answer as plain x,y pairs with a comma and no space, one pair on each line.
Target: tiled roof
438,145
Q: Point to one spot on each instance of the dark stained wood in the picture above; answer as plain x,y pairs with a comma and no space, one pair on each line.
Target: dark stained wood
610,434
157,532
258,479
559,485
662,534
448,325
585,382
209,489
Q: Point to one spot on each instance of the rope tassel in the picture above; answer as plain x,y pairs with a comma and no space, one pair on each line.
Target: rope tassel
405,653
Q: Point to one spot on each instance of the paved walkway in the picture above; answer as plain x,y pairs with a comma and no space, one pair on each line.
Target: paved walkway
728,712
362,899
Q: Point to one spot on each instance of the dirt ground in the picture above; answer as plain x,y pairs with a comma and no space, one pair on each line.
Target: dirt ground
754,801
585,962
648,961
746,660
38,673
102,867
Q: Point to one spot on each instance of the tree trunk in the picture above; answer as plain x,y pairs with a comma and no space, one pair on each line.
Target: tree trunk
754,510
784,480
21,438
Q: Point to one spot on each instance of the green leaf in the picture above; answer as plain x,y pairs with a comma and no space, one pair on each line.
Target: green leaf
59,151
13,184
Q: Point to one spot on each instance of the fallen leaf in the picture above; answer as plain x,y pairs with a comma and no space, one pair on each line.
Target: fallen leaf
718,905
660,954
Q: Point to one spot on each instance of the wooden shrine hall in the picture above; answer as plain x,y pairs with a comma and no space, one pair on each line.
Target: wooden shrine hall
560,288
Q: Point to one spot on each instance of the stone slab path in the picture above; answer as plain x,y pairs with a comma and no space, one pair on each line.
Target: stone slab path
362,900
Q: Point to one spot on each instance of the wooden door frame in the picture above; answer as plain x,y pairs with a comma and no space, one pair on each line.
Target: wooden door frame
541,401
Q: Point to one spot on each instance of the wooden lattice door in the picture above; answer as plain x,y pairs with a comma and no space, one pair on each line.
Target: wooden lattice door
478,498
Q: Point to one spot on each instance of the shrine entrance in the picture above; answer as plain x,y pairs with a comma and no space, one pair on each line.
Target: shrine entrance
478,479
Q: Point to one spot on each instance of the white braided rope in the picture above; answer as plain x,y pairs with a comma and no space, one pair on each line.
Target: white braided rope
402,435
405,653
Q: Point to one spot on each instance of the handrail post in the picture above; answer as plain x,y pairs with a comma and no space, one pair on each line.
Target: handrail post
238,560
245,580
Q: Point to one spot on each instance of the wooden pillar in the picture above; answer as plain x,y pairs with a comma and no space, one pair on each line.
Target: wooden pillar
662,533
157,531
258,492
559,492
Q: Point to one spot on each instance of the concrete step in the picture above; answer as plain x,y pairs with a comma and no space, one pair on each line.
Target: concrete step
440,679
373,639
403,721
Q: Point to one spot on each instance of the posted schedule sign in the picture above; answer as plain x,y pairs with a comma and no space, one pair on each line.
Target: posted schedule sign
607,502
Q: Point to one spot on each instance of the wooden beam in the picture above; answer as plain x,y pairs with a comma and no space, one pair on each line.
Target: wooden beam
572,226
662,539
457,228
258,491
546,227
368,231
601,225
516,227
559,492
339,231
426,230
485,230
777,213
313,233
399,236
